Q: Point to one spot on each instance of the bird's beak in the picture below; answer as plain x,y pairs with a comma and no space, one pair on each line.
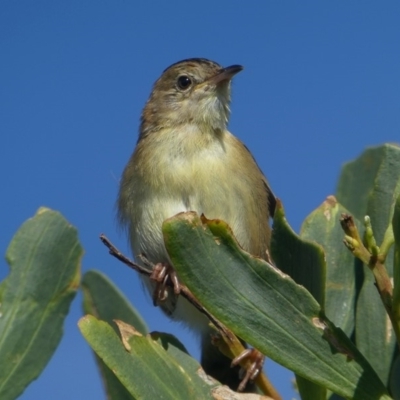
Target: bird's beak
226,74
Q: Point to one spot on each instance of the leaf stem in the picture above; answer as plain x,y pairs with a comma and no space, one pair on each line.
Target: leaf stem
369,237
374,258
388,240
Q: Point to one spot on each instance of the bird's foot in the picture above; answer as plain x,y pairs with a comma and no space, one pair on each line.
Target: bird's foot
161,274
256,362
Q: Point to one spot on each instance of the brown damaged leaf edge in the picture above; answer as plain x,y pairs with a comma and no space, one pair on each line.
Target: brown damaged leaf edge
328,205
126,331
331,201
196,222
191,217
218,227
329,335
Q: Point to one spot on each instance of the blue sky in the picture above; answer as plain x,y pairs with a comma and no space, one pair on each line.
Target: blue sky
321,83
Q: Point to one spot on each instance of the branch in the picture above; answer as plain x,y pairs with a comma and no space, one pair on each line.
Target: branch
184,291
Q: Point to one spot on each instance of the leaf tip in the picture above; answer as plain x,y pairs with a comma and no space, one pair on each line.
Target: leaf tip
42,210
85,321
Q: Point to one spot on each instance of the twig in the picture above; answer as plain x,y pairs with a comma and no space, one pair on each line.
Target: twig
184,291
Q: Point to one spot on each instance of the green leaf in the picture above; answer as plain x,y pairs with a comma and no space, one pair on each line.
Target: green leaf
144,366
266,308
395,379
105,301
322,226
302,260
369,186
310,390
357,179
44,257
396,261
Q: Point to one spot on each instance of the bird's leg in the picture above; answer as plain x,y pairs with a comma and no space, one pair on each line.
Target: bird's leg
217,363
238,374
161,273
255,360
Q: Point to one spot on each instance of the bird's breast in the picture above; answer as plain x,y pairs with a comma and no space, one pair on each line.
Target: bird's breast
208,177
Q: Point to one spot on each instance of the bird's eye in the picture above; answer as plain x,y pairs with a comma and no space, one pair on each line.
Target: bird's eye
184,82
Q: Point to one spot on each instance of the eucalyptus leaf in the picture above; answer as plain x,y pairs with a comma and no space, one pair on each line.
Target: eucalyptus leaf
301,259
396,261
142,363
105,301
322,226
370,186
266,308
304,261
310,390
44,257
395,379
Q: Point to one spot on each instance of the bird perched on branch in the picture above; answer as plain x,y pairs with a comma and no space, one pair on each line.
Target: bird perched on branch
186,160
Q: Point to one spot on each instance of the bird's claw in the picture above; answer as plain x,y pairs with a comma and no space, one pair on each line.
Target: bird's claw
160,275
256,362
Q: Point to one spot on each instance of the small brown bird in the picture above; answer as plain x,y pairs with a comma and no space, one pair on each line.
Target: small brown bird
186,160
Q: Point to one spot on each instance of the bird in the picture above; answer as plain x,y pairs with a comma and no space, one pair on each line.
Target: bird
185,159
